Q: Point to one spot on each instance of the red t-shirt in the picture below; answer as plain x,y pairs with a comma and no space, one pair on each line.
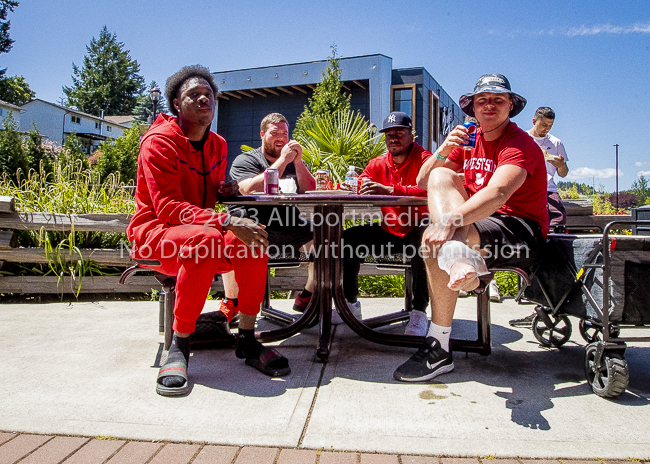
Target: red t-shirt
514,147
400,220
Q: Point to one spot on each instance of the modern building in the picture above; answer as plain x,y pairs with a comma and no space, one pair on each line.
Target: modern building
376,89
8,109
56,123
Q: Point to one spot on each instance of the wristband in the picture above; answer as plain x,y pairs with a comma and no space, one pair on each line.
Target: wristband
438,156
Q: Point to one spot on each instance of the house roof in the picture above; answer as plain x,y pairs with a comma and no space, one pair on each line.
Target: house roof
73,111
11,105
125,120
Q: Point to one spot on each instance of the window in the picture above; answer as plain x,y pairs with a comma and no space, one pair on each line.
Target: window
402,98
434,125
75,119
109,129
96,125
1,111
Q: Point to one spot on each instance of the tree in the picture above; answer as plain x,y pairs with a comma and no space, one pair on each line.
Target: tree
641,189
12,156
108,80
72,154
15,90
5,41
120,156
38,157
144,107
327,97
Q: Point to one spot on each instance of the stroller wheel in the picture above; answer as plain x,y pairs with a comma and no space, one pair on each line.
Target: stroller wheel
556,335
591,332
610,377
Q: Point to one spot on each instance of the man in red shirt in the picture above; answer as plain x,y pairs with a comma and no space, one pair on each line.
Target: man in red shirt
400,231
497,215
181,172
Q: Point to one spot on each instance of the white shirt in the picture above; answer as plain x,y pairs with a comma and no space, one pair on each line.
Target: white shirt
553,146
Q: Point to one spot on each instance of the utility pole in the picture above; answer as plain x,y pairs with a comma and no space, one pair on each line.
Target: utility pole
616,145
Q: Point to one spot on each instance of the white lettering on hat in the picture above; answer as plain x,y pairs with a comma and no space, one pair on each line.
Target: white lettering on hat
391,118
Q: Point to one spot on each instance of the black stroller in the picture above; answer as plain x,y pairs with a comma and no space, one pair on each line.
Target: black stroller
604,280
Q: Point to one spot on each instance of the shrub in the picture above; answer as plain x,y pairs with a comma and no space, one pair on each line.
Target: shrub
625,200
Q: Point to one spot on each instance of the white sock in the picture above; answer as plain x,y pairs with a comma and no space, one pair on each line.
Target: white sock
441,334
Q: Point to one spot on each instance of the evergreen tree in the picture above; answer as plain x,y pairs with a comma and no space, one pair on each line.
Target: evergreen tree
5,41
120,156
641,190
108,80
144,108
13,159
327,97
72,154
15,90
37,155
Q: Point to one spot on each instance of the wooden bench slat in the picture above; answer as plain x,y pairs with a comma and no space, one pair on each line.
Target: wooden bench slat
37,255
63,222
7,204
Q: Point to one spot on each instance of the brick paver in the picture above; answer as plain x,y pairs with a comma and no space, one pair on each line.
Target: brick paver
4,436
539,461
135,452
330,457
419,460
175,453
216,455
55,450
500,461
459,460
379,459
254,455
95,452
296,456
20,446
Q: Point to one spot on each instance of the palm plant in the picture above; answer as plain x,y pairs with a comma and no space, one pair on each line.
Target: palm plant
336,141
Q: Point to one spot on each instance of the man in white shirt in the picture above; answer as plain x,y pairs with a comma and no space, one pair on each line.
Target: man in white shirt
556,159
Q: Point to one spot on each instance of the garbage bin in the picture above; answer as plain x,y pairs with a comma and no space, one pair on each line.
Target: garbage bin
641,214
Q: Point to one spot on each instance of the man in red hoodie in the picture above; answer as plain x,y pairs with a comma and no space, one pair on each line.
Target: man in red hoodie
400,231
181,172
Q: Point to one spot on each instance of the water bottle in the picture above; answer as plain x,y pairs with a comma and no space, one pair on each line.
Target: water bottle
352,179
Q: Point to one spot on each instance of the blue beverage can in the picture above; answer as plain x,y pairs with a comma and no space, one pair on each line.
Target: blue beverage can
471,133
271,181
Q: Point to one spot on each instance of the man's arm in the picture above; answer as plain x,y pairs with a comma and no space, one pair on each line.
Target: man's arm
505,181
454,139
306,181
256,183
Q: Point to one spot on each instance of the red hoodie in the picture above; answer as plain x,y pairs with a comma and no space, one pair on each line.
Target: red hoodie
400,220
176,185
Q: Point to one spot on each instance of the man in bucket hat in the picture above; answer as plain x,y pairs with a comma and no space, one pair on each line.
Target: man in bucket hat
495,216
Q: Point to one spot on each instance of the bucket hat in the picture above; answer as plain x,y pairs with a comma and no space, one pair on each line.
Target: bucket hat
397,119
492,83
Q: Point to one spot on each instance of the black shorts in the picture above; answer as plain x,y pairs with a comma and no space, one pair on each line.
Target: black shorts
287,241
510,241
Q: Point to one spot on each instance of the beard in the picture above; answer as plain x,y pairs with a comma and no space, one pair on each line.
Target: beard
270,149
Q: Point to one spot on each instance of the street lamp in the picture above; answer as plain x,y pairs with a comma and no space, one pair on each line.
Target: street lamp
154,94
616,145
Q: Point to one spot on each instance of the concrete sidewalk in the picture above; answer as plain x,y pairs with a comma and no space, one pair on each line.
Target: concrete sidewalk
89,369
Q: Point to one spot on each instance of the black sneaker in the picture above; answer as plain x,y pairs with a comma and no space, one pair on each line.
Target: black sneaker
526,322
429,361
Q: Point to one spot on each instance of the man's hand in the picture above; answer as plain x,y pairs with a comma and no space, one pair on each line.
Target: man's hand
436,234
228,188
288,153
296,148
375,188
557,161
456,138
248,231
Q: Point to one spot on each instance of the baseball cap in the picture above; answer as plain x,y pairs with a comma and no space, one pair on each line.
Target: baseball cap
397,119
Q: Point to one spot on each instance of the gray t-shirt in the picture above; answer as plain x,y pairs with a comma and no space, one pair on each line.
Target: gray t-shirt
249,164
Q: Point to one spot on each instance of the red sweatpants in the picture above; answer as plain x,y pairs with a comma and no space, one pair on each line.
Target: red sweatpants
194,254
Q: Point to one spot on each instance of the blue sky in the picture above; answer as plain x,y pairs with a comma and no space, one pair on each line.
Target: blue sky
589,61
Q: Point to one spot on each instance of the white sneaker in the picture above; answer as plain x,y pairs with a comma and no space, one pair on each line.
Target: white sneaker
418,324
494,292
355,308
